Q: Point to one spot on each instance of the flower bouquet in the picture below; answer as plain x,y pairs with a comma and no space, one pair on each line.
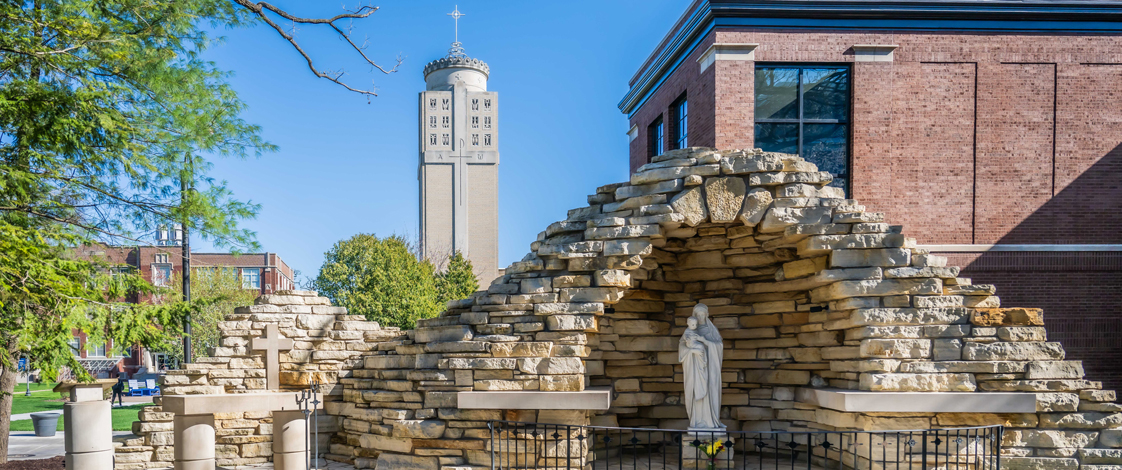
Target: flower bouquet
711,449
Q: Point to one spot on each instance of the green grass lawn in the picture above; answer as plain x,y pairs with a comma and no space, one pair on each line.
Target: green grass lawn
20,388
38,401
122,419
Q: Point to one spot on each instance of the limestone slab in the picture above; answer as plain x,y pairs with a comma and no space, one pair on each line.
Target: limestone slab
228,403
592,399
918,402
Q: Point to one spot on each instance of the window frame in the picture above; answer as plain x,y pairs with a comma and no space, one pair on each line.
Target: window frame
257,272
96,349
848,122
164,281
679,137
656,137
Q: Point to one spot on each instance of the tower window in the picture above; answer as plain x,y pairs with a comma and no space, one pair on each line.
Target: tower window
487,104
432,103
805,111
444,122
487,122
475,122
444,104
678,110
475,139
444,139
487,140
475,104
432,139
655,138
432,121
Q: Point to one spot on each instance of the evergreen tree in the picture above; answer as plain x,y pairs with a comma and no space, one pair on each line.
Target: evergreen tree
381,279
458,281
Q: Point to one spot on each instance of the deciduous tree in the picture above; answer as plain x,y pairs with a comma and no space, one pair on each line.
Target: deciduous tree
106,112
381,279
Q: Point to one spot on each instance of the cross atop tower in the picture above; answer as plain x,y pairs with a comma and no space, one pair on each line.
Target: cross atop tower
456,15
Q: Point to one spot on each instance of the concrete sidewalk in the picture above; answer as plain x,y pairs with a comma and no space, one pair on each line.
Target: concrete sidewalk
24,445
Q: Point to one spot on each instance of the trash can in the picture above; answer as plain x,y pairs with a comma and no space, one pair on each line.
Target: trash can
45,423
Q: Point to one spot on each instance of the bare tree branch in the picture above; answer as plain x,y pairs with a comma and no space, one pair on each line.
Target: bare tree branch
260,9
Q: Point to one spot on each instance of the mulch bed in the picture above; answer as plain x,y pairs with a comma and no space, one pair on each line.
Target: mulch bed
53,463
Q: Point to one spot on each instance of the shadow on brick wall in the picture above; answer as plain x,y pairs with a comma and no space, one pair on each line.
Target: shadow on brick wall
1081,292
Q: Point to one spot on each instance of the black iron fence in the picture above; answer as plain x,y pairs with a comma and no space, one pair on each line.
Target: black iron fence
517,445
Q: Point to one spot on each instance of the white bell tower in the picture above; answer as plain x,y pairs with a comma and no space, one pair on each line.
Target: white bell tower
459,161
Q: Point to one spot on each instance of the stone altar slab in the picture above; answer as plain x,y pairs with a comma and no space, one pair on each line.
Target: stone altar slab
230,403
925,402
591,399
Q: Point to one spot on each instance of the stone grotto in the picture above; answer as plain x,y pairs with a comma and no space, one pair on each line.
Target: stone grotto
832,319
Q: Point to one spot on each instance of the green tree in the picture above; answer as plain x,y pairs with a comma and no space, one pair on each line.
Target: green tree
215,292
458,280
381,279
106,112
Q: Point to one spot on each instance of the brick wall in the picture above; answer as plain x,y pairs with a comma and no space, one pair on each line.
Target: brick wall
956,138
1078,292
964,139
700,89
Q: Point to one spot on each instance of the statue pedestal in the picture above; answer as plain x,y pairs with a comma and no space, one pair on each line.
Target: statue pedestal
694,457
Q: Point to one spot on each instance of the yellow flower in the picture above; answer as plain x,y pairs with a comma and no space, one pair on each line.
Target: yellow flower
711,449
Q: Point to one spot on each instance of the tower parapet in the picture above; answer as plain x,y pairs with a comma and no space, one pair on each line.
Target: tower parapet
443,73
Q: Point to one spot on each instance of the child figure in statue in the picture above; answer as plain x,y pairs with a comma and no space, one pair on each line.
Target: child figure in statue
694,342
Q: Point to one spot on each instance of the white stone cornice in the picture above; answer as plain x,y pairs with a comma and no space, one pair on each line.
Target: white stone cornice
726,51
873,52
981,248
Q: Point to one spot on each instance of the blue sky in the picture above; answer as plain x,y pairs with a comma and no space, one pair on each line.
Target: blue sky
346,166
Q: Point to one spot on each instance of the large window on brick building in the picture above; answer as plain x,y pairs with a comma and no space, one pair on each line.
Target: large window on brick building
251,278
804,110
656,133
679,111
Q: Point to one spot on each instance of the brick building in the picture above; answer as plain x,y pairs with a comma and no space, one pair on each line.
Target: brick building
991,129
265,273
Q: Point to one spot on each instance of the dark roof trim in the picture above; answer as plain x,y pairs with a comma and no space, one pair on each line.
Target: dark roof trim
1030,16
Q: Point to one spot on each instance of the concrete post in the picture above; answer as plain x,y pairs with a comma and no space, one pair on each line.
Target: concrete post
289,440
194,442
88,439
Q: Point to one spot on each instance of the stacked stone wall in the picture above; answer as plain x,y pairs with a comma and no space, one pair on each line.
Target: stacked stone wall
327,345
807,288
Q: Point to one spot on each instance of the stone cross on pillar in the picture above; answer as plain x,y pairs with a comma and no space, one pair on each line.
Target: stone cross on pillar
272,344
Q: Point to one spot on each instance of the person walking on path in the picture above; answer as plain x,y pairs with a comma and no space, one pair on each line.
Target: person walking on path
118,391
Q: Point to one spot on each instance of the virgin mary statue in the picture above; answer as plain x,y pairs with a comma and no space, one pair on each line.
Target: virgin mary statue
701,351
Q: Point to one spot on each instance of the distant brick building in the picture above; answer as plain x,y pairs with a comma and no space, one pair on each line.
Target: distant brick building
982,126
265,273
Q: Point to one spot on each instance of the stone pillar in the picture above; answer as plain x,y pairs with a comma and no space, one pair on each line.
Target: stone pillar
88,437
289,440
194,442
